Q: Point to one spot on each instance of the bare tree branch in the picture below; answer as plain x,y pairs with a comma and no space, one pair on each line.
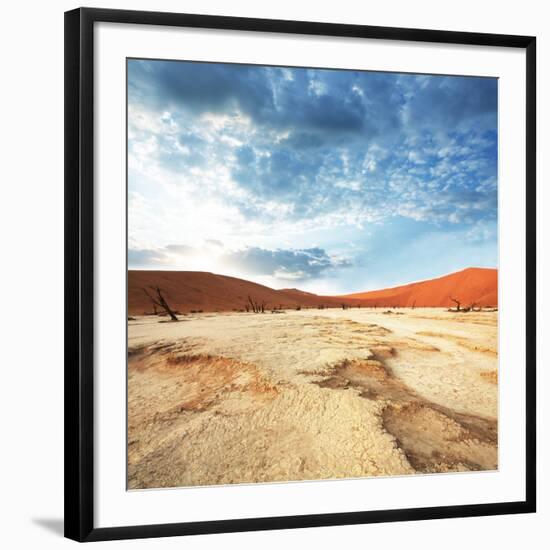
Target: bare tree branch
160,301
155,303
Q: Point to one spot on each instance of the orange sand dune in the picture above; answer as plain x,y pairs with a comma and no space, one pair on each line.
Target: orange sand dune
198,290
186,291
473,285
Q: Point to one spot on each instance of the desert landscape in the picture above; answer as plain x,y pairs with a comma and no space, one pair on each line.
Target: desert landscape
312,289
253,384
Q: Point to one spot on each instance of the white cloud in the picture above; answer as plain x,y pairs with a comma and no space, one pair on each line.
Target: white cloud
317,87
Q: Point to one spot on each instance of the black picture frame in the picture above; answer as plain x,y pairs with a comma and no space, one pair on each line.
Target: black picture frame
79,270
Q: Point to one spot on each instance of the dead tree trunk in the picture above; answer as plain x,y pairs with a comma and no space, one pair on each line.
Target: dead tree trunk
457,304
256,307
159,300
253,305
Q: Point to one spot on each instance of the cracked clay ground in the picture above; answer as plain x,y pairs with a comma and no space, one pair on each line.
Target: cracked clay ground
314,394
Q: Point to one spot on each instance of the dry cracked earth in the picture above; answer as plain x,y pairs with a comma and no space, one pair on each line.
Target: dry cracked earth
247,398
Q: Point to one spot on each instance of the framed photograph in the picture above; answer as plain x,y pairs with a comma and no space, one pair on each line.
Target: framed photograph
300,274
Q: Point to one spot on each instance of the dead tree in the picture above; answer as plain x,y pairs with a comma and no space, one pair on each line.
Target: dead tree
413,304
256,307
158,300
456,302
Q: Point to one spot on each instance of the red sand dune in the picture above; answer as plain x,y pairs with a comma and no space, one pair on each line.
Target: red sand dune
196,290
473,285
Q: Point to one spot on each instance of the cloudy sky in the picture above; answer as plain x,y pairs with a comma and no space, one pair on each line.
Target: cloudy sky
329,181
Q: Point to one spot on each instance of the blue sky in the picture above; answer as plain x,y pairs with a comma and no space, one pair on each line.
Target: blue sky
329,181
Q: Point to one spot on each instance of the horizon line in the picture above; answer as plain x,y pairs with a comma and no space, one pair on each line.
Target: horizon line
349,294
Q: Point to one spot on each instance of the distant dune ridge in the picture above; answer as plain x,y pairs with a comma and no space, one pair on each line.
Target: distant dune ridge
199,290
196,290
472,285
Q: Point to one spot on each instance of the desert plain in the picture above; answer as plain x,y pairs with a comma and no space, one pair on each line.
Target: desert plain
340,392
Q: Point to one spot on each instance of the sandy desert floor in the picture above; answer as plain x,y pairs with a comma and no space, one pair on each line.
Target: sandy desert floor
313,394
